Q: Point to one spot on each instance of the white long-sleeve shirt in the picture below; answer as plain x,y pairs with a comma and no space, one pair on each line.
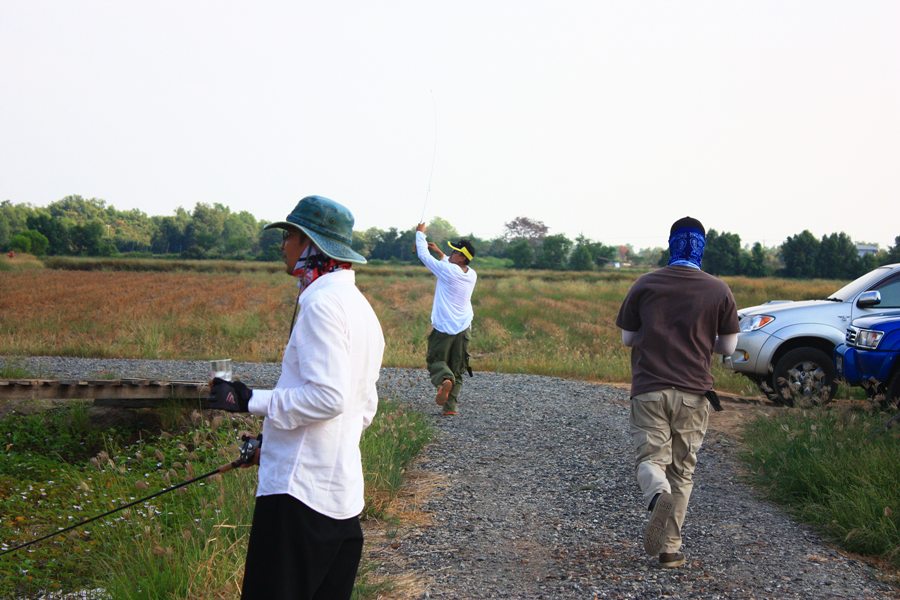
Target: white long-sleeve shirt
452,309
323,400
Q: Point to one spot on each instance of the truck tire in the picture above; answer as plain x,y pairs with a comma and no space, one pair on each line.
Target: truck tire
804,377
768,391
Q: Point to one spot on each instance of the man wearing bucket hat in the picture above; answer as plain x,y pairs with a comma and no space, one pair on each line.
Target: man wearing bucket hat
306,540
673,319
451,316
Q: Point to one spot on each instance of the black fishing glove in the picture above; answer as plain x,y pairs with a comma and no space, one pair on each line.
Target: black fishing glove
232,396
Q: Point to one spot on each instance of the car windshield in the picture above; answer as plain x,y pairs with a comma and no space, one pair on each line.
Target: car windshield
857,286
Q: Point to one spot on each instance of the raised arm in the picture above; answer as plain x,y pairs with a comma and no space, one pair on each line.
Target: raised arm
434,248
434,265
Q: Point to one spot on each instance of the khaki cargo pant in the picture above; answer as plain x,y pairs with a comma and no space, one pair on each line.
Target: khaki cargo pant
667,429
448,358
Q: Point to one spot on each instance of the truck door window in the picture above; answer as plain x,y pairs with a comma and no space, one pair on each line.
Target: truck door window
890,293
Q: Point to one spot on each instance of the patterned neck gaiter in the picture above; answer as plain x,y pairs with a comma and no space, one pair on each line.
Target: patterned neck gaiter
313,264
686,247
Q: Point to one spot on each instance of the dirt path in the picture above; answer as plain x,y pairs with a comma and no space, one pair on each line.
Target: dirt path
529,493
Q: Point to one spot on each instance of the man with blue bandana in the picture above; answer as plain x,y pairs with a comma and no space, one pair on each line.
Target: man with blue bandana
673,319
451,316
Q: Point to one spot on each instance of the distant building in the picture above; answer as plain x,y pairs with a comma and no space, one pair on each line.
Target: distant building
864,249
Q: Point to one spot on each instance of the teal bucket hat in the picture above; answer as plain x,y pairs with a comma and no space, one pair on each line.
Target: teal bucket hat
328,224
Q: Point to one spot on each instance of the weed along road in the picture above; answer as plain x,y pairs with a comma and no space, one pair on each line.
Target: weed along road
529,493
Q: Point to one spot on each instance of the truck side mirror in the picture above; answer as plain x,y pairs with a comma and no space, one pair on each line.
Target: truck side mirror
869,299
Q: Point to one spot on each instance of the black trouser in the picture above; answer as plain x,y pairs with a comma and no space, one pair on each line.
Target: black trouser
296,553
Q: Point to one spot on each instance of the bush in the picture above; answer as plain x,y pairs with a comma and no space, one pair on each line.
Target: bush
31,241
835,469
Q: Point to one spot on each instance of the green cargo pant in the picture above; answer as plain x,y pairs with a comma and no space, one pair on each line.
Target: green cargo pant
448,358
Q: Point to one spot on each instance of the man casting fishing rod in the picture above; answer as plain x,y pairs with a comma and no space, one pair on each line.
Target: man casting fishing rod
451,316
306,540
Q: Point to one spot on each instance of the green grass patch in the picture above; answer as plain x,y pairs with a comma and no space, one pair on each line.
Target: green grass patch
58,468
53,437
13,368
19,262
395,437
835,469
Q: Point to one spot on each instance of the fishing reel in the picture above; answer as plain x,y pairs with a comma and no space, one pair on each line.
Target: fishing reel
248,449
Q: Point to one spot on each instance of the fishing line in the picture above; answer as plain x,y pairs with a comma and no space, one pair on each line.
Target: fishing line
433,156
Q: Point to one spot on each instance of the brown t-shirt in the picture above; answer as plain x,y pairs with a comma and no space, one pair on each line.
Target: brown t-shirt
677,312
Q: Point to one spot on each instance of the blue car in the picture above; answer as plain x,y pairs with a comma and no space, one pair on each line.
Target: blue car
870,357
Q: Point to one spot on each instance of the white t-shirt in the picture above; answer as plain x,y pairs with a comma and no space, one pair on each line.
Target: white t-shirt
323,400
452,309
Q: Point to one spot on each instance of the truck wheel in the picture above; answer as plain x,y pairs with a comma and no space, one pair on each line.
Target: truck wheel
892,397
804,377
769,392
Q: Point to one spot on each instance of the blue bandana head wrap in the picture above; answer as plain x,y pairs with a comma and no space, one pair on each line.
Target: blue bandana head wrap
687,239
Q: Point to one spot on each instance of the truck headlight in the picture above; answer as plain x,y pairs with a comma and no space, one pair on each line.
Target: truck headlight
755,322
868,338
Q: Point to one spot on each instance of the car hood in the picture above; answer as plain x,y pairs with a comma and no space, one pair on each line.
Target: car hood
885,323
775,307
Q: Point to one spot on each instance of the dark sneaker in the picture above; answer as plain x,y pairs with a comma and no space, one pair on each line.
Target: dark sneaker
656,528
443,393
671,560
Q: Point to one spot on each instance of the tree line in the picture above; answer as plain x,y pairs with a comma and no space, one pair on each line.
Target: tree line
75,226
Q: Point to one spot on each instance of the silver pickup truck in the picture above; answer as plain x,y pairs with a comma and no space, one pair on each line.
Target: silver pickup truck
787,347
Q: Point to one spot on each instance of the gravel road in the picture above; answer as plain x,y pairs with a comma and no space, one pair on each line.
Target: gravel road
536,499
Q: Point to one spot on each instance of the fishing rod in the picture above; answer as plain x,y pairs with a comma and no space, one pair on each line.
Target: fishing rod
433,157
248,451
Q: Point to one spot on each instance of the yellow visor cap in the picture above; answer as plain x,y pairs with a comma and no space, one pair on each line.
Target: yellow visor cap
464,251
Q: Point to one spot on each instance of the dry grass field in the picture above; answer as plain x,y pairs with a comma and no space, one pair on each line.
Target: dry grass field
141,315
547,323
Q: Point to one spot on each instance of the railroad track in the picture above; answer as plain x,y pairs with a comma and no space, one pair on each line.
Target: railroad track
132,393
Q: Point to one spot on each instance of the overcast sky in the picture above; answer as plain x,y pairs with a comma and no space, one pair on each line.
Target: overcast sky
608,119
